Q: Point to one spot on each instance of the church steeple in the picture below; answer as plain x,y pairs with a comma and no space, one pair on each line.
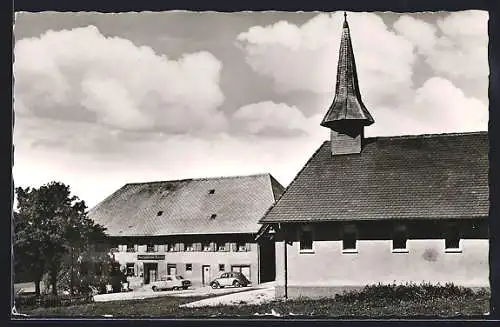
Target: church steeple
347,115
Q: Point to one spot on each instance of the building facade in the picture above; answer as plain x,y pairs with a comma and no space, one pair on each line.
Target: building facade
382,209
196,228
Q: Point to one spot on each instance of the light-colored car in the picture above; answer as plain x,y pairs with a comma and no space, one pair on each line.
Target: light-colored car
170,283
235,279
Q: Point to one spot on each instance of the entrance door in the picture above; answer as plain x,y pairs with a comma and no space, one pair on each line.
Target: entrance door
152,275
171,269
150,272
205,274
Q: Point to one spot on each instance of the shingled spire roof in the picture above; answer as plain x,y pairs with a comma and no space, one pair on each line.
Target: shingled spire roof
347,105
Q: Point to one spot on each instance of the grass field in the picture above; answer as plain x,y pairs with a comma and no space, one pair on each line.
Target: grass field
370,303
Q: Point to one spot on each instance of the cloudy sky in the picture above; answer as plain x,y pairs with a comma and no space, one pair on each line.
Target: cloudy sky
106,99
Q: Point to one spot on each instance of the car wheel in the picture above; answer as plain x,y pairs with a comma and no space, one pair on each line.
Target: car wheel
215,285
236,284
154,288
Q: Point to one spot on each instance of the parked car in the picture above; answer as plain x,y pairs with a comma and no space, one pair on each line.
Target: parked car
235,279
170,283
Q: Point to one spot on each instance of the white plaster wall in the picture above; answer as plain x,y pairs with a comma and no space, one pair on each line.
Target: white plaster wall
375,262
197,259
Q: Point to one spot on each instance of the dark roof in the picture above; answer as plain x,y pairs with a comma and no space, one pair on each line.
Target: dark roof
407,177
347,104
187,206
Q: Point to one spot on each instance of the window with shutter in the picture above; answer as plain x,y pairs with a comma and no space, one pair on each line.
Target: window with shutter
241,247
130,269
221,246
234,247
171,247
212,246
249,246
181,247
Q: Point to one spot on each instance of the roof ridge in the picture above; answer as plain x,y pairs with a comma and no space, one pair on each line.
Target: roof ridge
428,135
199,179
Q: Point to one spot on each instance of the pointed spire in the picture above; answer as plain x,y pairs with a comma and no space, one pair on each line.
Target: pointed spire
347,108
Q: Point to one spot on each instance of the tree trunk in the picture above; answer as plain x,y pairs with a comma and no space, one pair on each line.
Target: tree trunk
37,288
38,277
72,281
53,281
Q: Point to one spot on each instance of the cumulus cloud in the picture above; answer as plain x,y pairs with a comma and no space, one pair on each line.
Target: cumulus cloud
305,57
418,32
96,174
82,75
457,48
272,119
437,106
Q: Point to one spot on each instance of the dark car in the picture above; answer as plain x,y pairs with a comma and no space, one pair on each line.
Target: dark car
235,279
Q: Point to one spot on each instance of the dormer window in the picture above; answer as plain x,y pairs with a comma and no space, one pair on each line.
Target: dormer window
212,191
213,216
159,213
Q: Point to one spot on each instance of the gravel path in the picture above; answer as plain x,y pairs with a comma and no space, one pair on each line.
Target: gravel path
259,295
148,293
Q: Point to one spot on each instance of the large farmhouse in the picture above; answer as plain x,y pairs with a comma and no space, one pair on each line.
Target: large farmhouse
197,228
382,209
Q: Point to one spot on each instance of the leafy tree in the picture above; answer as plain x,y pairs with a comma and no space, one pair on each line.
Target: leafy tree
52,231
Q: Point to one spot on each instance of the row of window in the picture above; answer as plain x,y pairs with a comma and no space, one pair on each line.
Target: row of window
189,247
399,240
131,268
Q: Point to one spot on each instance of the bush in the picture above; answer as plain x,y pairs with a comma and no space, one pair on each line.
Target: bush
49,300
405,292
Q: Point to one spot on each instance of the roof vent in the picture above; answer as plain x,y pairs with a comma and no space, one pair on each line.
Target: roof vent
213,216
212,191
159,213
